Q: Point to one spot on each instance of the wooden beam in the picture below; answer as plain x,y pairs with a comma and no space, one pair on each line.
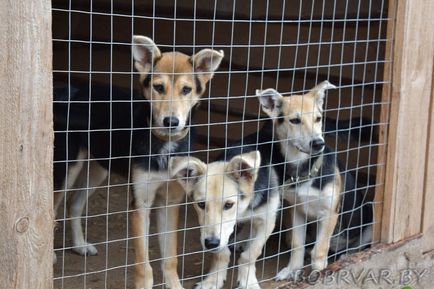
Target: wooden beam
409,115
379,203
428,203
26,217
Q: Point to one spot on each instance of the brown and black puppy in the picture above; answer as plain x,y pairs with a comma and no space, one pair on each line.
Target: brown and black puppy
134,136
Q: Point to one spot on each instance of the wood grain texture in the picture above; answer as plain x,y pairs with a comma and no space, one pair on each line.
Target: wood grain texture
428,203
379,200
26,217
409,116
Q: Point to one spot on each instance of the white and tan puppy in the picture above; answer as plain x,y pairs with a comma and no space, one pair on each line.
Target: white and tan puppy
226,193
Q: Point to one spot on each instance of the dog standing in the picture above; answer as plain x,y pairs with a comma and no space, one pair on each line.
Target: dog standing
225,193
134,137
315,187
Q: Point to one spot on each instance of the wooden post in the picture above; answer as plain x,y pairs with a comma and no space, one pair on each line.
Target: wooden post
26,138
410,96
428,202
383,130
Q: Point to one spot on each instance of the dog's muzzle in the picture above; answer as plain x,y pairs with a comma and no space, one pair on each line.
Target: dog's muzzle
212,243
317,145
171,122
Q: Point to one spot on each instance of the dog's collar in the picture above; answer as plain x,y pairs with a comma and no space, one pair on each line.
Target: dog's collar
313,172
171,137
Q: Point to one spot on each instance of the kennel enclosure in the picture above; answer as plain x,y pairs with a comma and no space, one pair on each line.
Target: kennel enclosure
403,179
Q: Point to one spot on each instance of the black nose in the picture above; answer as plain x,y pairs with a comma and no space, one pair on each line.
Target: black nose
171,121
212,243
317,144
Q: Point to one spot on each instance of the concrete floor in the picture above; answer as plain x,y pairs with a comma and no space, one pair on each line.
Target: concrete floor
406,265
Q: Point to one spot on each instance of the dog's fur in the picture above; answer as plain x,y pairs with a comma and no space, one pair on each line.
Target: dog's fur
315,187
225,193
134,139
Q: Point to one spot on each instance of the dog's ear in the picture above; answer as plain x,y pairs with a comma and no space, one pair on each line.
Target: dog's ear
187,171
245,167
271,101
207,61
319,92
144,52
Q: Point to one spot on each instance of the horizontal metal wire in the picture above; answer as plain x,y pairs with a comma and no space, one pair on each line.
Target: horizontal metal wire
248,21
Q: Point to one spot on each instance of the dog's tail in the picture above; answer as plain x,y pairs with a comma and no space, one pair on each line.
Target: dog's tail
358,128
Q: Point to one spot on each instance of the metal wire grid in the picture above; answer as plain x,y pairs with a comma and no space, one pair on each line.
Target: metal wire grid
84,273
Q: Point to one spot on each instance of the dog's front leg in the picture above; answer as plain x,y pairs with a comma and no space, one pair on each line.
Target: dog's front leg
144,195
247,268
297,248
170,196
320,250
218,271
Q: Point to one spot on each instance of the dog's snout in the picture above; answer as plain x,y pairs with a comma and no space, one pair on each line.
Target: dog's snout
212,243
317,144
171,121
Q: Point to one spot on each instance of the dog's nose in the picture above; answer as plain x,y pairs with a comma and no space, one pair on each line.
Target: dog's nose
171,121
317,144
212,243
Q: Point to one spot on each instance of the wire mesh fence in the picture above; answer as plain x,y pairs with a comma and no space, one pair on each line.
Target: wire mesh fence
220,112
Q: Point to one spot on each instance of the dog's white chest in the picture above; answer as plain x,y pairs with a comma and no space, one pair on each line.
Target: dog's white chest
311,201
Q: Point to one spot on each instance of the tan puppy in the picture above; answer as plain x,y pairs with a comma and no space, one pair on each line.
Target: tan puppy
316,188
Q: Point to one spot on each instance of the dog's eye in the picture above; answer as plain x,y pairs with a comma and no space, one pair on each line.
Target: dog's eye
186,90
295,120
318,119
228,205
201,205
159,88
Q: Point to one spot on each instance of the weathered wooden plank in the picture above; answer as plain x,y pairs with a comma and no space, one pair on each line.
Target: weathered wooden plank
379,200
26,145
409,117
428,203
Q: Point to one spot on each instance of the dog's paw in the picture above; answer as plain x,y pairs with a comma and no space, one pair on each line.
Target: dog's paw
252,286
247,278
209,283
85,249
285,274
319,265
243,285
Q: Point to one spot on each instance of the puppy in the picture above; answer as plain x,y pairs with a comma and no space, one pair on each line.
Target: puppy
226,193
314,185
133,136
